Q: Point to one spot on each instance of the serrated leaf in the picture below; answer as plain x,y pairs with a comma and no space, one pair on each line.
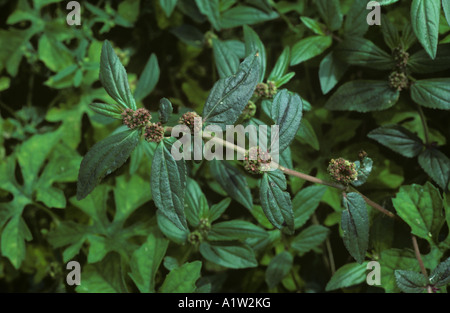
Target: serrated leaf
425,23
210,8
146,260
309,48
363,167
253,43
182,279
230,95
390,33
409,281
234,183
229,254
278,268
168,184
287,114
104,158
432,93
276,202
227,61
440,276
114,77
148,79
196,203
109,110
363,52
281,66
420,62
356,20
436,165
421,208
330,10
170,230
398,139
363,96
235,230
217,209
309,239
348,275
165,110
306,202
13,238
307,135
355,226
331,71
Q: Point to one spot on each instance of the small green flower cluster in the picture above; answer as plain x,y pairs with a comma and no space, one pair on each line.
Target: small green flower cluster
342,171
154,132
265,90
257,161
135,119
188,119
249,111
398,80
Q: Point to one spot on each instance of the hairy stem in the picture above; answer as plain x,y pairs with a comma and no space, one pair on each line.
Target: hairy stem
419,259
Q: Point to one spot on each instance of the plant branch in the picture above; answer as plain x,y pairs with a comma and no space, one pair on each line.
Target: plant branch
419,259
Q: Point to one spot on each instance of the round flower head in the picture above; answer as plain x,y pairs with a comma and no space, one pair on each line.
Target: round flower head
272,88
398,80
191,120
342,171
257,161
134,119
249,111
261,90
154,132
401,57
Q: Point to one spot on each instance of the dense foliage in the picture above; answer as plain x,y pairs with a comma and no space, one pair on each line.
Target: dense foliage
88,174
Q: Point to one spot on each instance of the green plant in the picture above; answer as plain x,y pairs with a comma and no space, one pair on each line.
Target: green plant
140,219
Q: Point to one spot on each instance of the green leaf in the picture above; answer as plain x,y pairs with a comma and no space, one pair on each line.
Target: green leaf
398,139
390,33
306,202
348,275
197,205
114,78
355,24
432,93
287,114
420,62
363,96
146,260
235,230
440,276
109,110
392,260
281,66
363,52
54,53
13,240
182,279
309,48
446,7
165,110
425,23
409,281
252,44
170,230
104,158
330,10
168,183
309,239
217,209
227,61
307,135
234,183
230,95
210,8
408,36
436,165
276,202
229,254
278,268
242,14
104,277
313,25
168,6
355,225
421,207
363,167
331,71
148,79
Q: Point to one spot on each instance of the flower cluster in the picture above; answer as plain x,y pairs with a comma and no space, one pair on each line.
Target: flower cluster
249,111
265,90
154,132
189,119
401,57
195,237
342,171
205,225
257,161
398,80
134,119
